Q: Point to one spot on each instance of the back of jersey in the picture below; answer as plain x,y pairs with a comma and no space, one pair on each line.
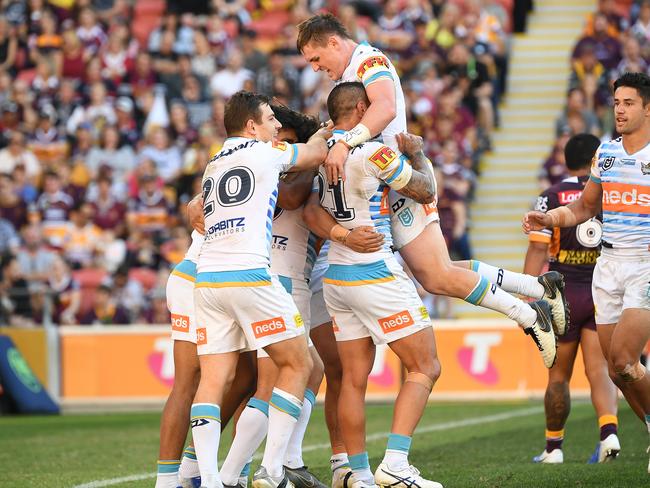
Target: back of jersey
362,199
240,190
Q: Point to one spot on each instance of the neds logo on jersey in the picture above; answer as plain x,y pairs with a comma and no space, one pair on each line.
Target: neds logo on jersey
180,323
268,327
398,321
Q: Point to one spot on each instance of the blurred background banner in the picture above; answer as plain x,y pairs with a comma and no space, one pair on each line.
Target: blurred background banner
481,359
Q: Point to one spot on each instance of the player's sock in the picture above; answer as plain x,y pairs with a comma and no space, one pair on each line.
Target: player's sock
206,430
397,452
510,281
361,468
490,296
245,473
167,476
250,432
283,415
339,460
189,465
554,439
608,425
293,459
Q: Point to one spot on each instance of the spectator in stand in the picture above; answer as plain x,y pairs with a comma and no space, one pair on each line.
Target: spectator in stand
157,312
81,240
641,28
127,293
12,208
632,60
108,212
616,24
203,62
149,211
66,101
453,215
47,43
15,303
142,76
90,32
198,106
232,78
554,169
166,158
97,113
182,133
8,46
606,48
47,144
115,58
74,58
66,294
111,153
104,310
34,260
17,154
54,207
577,107
278,70
590,75
126,124
9,240
254,59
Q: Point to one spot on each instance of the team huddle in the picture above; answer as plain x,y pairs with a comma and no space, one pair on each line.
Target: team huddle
294,237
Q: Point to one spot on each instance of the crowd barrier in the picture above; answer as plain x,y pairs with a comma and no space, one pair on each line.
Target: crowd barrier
481,359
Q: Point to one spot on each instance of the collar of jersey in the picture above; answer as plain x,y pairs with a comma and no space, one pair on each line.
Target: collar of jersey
236,140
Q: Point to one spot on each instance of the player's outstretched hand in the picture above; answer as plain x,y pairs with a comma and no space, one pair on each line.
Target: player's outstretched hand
409,144
335,162
195,214
364,239
325,131
535,221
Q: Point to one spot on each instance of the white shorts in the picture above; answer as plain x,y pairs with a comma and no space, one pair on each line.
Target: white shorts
409,218
301,295
244,317
180,302
621,281
319,313
386,310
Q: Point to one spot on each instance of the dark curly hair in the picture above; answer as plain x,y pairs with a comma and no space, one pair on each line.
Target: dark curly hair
304,125
640,81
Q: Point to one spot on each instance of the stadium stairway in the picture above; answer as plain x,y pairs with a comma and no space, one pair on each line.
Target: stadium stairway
539,70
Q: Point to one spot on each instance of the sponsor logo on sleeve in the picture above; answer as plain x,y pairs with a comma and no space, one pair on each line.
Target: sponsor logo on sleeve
268,327
397,321
281,145
645,167
298,320
180,323
372,62
424,313
608,162
383,157
201,337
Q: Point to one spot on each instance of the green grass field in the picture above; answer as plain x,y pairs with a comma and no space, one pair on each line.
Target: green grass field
459,444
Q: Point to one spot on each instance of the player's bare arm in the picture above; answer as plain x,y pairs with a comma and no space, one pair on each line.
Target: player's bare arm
381,111
421,185
195,214
536,258
360,239
314,152
294,189
584,208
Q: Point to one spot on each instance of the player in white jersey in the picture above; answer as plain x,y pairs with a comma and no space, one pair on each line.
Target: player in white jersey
620,183
327,46
370,298
238,303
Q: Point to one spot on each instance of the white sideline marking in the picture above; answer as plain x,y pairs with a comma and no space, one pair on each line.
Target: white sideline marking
497,417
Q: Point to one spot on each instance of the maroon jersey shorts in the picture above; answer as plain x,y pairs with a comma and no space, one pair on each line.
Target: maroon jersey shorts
578,294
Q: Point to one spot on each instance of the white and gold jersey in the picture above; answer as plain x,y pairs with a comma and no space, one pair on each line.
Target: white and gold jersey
292,249
362,199
368,65
240,190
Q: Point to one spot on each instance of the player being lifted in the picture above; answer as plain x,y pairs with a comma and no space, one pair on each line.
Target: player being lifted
238,303
573,253
327,46
369,296
620,183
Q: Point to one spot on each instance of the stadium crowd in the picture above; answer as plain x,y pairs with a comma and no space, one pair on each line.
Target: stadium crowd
615,40
110,110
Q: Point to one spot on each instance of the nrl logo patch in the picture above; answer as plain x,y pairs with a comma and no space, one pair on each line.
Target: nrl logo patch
406,217
608,162
645,168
